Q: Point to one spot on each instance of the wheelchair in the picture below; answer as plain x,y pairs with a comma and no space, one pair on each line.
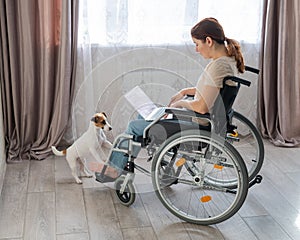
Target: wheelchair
200,173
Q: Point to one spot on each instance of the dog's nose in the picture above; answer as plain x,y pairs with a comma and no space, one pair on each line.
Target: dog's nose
110,128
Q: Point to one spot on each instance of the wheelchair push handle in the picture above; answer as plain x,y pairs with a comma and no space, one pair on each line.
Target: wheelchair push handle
238,80
241,80
251,69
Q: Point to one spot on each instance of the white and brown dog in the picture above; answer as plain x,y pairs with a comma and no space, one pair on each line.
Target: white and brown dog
88,143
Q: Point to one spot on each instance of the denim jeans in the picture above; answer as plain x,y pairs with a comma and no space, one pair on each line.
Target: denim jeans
136,128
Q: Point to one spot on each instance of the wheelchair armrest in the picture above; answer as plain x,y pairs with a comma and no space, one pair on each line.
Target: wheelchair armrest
186,113
189,97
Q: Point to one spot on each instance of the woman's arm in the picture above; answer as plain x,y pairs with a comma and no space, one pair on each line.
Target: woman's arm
181,94
202,104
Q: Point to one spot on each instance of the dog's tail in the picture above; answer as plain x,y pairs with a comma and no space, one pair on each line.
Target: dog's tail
58,153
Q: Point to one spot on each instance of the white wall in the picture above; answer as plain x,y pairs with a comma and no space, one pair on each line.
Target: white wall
2,148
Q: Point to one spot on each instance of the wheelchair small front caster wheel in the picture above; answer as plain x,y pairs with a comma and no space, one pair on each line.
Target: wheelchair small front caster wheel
127,197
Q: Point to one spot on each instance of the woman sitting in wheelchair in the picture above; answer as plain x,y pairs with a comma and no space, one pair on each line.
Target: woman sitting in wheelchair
226,60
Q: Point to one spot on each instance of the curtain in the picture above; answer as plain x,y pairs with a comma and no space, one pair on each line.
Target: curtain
125,43
279,89
38,41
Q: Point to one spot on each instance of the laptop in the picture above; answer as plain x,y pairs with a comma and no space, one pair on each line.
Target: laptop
143,104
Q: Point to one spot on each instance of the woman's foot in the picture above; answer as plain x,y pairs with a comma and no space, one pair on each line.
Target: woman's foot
104,173
98,167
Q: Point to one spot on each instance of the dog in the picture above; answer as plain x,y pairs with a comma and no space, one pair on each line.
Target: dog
88,143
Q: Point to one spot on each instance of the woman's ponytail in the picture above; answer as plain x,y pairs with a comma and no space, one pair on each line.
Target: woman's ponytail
234,49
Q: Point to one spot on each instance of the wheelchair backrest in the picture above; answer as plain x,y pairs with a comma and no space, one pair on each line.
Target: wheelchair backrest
222,109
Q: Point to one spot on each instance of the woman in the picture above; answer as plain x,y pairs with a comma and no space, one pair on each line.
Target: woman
227,59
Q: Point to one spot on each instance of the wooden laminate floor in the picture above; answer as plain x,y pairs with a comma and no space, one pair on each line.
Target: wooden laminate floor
40,200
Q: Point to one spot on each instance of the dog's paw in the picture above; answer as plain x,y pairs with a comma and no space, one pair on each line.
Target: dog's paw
78,181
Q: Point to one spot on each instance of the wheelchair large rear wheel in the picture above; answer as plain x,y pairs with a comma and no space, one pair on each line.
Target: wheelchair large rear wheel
190,174
250,144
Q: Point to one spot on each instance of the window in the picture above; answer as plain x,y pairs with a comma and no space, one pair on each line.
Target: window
159,22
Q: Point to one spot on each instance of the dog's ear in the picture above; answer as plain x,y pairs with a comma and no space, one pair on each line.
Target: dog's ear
104,114
95,119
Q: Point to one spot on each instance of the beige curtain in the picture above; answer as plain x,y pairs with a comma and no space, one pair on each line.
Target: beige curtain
38,40
279,89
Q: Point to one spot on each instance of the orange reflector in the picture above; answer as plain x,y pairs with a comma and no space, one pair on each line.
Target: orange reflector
219,167
180,162
205,199
234,134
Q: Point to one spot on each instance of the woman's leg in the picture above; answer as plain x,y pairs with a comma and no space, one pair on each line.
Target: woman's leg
118,160
134,128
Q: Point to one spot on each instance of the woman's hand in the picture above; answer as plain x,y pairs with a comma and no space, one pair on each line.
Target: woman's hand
177,97
177,104
180,95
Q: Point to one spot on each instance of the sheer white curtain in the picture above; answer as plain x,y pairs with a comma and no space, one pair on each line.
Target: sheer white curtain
125,43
